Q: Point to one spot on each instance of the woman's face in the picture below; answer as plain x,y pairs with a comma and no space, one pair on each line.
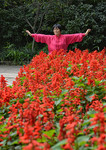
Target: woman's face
57,31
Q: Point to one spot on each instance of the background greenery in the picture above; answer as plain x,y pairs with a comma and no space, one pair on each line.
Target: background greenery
39,16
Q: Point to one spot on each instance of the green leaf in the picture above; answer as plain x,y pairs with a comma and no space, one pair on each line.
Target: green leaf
89,97
15,142
92,127
49,133
28,94
21,100
80,85
97,82
60,110
86,148
3,142
3,128
13,133
80,134
19,147
23,78
70,65
58,102
104,104
81,140
42,140
104,109
83,102
91,113
64,91
86,122
1,116
57,129
68,69
59,144
75,78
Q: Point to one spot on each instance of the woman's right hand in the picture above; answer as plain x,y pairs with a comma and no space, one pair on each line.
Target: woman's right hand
28,32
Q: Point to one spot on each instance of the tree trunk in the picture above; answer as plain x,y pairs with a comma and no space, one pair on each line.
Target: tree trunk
33,44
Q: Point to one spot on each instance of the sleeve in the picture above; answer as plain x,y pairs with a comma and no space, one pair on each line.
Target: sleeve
72,38
41,38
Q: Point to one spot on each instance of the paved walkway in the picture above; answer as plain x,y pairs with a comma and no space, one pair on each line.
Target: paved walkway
9,72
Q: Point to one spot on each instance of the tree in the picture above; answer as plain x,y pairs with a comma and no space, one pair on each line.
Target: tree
36,10
40,15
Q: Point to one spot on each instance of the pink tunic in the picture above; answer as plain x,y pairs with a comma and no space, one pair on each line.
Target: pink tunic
58,42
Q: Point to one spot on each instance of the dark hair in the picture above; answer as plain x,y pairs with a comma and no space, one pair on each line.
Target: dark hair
57,26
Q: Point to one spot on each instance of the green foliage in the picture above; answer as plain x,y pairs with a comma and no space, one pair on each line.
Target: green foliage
14,56
86,16
74,16
59,144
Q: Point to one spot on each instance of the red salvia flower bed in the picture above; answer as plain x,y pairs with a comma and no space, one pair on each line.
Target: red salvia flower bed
56,102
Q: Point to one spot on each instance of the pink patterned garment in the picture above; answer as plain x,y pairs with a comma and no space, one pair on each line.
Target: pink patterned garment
58,42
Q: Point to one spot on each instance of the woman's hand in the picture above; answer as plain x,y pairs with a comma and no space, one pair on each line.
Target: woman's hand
28,32
88,30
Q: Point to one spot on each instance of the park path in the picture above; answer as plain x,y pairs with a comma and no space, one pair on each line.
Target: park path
9,72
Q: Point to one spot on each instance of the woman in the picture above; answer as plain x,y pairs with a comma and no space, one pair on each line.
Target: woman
58,41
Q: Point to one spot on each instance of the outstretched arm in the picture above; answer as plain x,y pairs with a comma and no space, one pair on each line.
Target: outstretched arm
40,37
29,33
87,31
78,37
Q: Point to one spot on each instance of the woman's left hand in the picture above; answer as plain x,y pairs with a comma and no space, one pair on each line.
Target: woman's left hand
88,30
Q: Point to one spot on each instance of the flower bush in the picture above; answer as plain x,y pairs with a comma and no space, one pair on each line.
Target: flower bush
57,102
